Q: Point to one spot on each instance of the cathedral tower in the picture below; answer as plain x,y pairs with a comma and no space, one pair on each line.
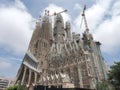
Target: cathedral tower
68,31
33,45
59,29
44,40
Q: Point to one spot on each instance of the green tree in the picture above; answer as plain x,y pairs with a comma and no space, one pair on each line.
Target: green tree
102,86
13,87
114,75
105,86
22,87
17,87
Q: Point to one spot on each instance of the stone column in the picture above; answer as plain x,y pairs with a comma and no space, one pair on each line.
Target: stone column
24,73
29,79
35,78
71,75
80,77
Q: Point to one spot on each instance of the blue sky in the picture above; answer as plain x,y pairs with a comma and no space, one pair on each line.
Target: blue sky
16,27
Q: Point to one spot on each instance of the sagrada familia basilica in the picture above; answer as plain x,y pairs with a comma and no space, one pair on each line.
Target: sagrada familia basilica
57,57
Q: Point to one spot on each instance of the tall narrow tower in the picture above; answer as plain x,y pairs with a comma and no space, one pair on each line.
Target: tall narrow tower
59,29
33,45
68,31
44,40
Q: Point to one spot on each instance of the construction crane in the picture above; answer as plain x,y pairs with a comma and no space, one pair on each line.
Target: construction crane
58,12
61,12
47,13
84,18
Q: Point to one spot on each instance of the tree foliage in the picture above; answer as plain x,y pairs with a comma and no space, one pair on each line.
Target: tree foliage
114,75
105,86
102,86
17,87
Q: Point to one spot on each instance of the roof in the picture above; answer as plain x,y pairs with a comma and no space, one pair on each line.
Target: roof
32,56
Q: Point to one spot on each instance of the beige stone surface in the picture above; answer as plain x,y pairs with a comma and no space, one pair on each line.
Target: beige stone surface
56,55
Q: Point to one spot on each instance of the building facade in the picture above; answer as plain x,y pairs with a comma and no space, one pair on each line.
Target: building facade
57,57
5,83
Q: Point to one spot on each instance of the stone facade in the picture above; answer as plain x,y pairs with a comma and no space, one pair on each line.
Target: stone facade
57,57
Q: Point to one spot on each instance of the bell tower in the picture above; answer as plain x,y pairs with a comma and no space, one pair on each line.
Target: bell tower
59,29
68,31
44,40
34,42
40,43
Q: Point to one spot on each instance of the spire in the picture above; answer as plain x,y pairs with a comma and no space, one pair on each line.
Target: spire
38,21
59,33
68,30
59,28
46,26
36,34
47,12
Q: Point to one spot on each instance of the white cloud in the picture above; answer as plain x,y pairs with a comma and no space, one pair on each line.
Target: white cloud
18,4
116,9
104,29
108,31
5,65
94,14
77,6
15,27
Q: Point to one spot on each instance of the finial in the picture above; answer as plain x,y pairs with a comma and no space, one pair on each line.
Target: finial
55,13
45,12
39,18
48,12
